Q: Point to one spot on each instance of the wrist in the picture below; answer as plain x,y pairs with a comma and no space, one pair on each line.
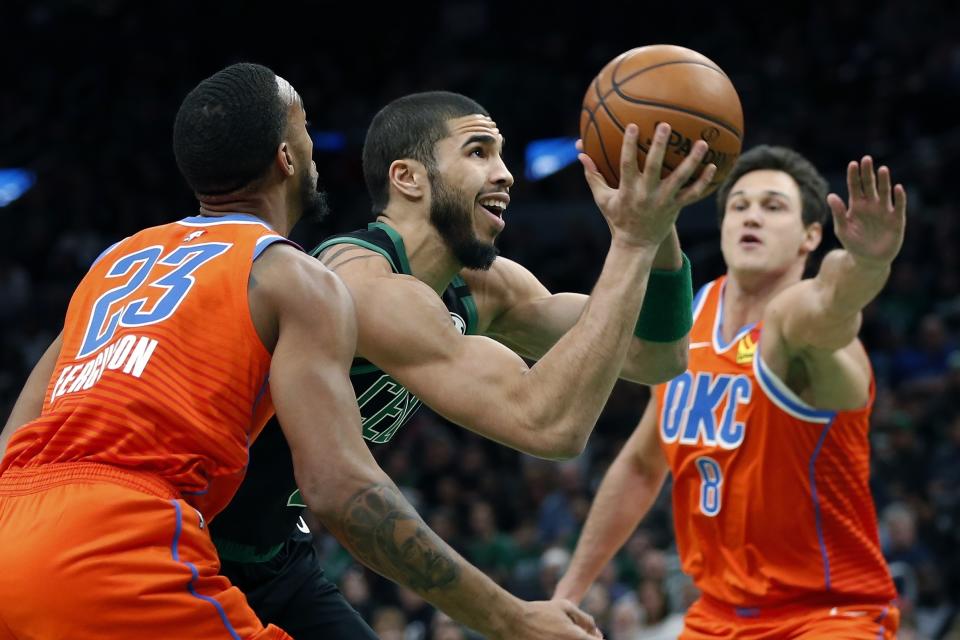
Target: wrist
506,617
868,262
623,240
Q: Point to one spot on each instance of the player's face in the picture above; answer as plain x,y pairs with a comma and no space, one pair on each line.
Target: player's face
312,200
762,230
470,189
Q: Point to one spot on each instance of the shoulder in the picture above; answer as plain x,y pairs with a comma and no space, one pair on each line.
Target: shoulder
288,276
506,284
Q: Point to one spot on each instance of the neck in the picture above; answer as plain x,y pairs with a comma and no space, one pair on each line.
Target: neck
269,207
431,261
746,295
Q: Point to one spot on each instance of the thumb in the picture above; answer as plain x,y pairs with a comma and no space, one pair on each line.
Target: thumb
839,210
595,180
583,620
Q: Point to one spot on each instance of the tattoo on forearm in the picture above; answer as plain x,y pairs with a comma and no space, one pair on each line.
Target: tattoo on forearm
382,529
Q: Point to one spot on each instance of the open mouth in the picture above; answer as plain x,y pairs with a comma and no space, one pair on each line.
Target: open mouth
494,206
750,240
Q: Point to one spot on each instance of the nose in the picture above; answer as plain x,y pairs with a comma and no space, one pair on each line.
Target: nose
501,176
753,216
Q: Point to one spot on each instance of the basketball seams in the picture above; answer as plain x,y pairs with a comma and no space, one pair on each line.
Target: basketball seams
616,84
689,112
619,106
593,120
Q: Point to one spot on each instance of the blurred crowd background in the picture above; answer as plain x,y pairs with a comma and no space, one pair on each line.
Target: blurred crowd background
89,94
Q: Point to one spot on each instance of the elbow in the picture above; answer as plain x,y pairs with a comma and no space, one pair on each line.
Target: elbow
671,368
563,443
669,365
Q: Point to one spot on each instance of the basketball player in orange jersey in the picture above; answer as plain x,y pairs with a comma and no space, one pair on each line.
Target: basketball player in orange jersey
133,430
766,434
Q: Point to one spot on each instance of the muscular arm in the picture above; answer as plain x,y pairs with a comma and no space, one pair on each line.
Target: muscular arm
626,494
530,320
30,401
547,410
813,325
338,477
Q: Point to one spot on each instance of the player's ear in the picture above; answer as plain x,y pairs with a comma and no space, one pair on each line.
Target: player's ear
284,159
408,177
812,236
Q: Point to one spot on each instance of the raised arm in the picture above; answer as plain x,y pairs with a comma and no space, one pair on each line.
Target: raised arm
549,409
625,496
816,321
526,317
338,477
30,401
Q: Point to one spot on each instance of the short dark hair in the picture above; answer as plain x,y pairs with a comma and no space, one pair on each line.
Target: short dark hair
813,186
228,128
409,127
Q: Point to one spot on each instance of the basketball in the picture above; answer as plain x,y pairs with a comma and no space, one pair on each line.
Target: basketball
662,83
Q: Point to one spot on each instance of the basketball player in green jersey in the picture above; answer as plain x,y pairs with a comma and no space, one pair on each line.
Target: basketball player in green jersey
427,285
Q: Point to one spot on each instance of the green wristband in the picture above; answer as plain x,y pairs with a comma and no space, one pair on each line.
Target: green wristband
667,311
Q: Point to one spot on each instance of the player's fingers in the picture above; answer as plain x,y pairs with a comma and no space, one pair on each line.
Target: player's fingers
883,186
854,186
595,180
839,210
658,149
900,201
682,174
628,155
579,145
695,191
583,620
868,178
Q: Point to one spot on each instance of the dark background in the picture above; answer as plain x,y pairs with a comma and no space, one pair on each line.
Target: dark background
89,91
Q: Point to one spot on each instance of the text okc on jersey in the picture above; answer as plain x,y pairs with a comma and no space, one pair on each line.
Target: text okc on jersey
129,354
691,404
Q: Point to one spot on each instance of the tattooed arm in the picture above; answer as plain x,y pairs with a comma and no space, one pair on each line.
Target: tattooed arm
306,315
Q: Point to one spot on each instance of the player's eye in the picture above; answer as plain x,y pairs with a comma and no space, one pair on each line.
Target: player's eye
479,152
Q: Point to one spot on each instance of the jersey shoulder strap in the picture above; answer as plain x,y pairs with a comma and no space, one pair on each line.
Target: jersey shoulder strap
458,296
377,237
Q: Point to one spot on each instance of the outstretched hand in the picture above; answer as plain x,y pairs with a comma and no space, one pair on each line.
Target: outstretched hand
871,224
644,207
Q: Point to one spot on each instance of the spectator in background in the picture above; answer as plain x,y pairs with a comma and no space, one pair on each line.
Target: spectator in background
658,621
491,551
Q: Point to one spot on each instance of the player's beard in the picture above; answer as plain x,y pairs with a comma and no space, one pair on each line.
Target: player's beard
452,217
315,207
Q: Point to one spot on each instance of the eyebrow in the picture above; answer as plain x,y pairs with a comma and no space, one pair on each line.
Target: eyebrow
483,138
768,192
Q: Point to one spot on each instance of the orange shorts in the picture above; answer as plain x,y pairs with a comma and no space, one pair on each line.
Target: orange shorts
90,552
704,621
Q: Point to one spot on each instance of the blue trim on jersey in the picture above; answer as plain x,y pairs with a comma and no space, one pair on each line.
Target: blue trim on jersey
883,616
700,298
266,241
230,217
718,344
783,397
196,574
816,504
104,252
261,392
747,612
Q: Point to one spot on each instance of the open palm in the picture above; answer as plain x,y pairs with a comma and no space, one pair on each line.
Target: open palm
871,225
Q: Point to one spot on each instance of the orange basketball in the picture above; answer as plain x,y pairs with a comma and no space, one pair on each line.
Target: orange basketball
662,83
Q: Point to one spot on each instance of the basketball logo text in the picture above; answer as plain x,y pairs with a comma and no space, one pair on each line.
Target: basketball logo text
702,410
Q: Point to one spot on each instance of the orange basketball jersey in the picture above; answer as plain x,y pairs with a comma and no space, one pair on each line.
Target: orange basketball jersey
770,495
161,370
